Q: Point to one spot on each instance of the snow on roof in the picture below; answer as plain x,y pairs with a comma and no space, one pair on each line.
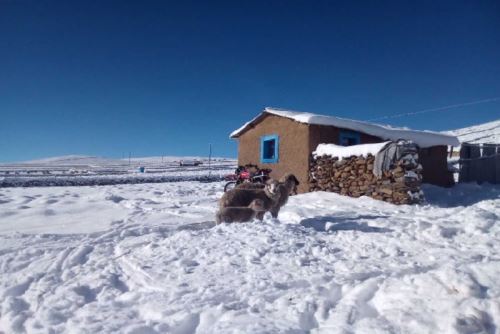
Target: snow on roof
347,151
386,132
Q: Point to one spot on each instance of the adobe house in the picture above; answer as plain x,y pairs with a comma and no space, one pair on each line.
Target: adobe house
284,140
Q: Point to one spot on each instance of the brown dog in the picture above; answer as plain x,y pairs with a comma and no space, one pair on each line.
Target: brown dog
286,187
251,185
239,214
243,197
275,194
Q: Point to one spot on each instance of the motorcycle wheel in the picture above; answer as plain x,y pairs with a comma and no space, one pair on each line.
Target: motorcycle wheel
229,186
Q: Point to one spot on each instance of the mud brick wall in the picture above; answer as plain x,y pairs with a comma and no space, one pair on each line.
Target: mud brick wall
354,177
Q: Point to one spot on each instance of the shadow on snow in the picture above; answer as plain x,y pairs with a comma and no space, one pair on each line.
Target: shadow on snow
340,223
462,194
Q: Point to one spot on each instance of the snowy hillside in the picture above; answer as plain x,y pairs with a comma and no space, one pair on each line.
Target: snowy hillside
147,258
84,160
72,160
482,133
75,160
86,170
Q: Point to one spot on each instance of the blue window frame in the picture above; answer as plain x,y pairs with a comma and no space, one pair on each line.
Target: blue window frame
348,138
269,149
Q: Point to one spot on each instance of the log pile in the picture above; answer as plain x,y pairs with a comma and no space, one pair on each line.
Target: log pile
354,177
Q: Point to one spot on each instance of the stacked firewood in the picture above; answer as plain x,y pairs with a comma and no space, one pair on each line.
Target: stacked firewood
354,177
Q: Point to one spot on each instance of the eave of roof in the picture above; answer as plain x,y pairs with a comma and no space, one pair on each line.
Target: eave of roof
386,132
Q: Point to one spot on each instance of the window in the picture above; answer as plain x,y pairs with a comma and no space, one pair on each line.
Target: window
269,148
349,138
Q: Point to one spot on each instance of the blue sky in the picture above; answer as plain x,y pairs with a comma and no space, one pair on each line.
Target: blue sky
168,77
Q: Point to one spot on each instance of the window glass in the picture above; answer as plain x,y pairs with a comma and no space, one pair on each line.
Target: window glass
349,138
269,149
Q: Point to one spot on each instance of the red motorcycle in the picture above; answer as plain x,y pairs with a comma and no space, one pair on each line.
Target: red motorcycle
248,173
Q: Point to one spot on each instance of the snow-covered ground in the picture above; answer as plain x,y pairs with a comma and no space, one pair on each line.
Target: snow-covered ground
147,258
75,170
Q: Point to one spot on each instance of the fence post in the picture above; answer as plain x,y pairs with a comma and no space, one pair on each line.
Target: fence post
488,163
464,165
480,165
475,170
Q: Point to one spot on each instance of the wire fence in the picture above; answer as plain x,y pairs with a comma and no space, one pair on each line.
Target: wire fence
479,163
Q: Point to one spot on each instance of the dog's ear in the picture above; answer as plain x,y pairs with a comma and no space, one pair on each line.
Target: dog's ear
295,179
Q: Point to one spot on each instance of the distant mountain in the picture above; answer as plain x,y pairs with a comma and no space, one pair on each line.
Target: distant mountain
83,160
482,133
72,160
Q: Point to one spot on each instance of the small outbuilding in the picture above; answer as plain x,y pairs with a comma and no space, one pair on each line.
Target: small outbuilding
284,140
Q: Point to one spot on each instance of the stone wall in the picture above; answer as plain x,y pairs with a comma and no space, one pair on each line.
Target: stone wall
354,177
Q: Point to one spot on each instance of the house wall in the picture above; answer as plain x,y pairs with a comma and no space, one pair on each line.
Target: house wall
293,148
297,141
322,134
435,166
